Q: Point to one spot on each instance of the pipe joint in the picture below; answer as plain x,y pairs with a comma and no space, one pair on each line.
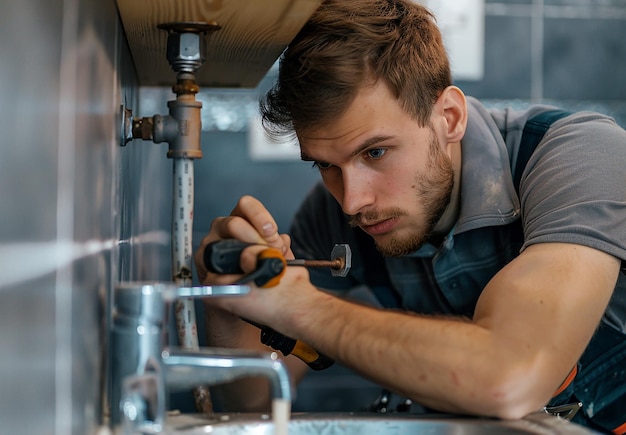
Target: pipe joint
142,128
186,86
164,128
181,129
183,134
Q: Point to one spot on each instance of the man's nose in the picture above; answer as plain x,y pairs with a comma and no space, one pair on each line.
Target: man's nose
357,192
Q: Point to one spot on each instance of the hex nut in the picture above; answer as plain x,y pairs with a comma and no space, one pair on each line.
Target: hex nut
185,51
344,252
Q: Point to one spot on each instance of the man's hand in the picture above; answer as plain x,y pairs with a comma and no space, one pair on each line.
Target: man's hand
249,222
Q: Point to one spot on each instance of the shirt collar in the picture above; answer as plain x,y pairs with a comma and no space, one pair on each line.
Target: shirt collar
488,197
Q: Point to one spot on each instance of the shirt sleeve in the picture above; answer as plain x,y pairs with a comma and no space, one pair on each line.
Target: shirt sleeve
573,189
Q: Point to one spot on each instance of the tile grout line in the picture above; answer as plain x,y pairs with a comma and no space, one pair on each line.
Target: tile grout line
56,255
557,11
536,50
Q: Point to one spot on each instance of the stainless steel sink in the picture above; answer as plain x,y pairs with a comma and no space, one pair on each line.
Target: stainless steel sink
365,424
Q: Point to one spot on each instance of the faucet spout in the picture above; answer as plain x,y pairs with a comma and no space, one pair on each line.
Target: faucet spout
185,369
143,371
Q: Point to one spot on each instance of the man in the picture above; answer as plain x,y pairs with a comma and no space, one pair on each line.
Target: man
496,289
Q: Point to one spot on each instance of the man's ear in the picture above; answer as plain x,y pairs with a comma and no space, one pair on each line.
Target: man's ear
452,106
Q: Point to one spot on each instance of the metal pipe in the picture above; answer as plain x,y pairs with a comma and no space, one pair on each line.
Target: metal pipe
181,129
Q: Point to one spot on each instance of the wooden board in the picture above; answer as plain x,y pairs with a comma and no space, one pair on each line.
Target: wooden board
253,35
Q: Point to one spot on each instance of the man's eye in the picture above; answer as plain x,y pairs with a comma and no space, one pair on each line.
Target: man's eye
321,165
376,153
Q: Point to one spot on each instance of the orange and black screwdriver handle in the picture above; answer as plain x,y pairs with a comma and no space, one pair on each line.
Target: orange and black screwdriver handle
223,257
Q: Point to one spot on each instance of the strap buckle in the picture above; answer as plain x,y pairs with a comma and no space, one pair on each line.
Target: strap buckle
564,411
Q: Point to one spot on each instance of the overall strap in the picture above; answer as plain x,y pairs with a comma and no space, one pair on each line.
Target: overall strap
534,130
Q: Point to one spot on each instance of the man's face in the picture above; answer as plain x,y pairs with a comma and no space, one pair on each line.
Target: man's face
392,177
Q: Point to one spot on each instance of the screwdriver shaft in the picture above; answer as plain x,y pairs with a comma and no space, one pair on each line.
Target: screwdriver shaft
336,264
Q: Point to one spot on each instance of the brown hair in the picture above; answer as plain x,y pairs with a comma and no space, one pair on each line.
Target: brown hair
345,45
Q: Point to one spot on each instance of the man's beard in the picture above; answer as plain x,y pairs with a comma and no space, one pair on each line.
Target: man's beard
433,193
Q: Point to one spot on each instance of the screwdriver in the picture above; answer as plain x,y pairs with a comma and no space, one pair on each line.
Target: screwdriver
223,257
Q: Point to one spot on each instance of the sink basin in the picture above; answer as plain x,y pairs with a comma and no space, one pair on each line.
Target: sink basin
364,424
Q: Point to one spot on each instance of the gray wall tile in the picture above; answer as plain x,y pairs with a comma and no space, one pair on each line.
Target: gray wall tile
585,59
507,60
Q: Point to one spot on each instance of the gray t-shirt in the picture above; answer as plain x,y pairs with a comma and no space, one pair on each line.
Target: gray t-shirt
573,190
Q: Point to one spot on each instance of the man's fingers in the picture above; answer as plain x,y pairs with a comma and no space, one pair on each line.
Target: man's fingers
235,227
286,241
249,222
254,212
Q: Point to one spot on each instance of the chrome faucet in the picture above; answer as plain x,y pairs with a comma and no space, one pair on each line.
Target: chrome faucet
144,370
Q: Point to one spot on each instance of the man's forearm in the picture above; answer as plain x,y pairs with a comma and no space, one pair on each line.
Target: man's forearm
424,358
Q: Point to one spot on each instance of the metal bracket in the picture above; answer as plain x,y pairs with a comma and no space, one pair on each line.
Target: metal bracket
126,127
564,411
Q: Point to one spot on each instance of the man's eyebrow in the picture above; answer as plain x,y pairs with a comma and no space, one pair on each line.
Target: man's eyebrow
305,157
368,143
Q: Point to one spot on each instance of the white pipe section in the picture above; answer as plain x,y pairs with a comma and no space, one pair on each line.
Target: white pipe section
182,257
182,227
